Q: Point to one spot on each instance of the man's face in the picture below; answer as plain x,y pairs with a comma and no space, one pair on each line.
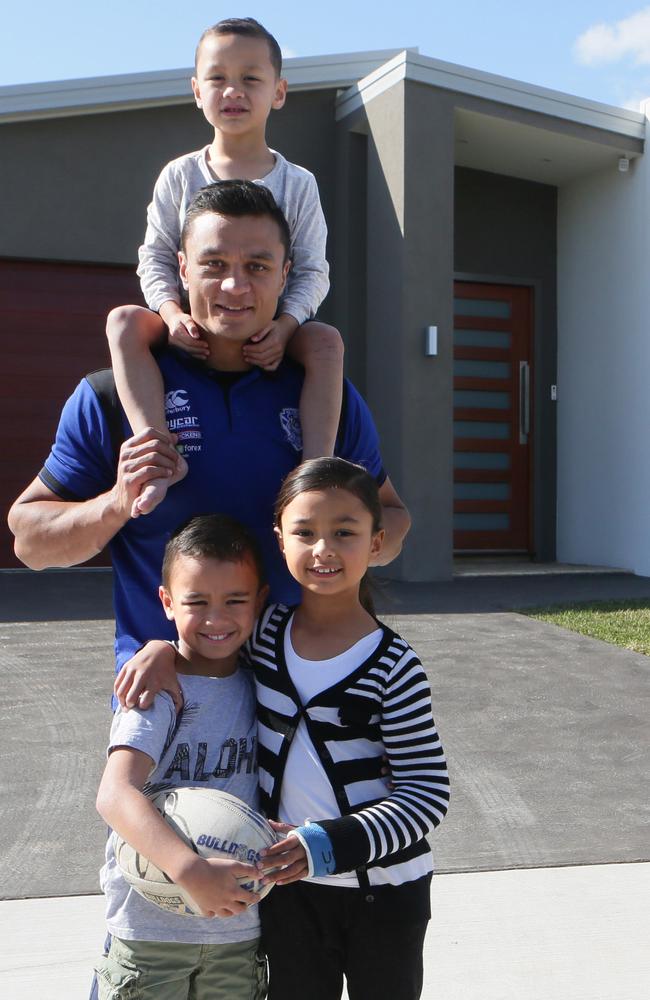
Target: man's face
234,271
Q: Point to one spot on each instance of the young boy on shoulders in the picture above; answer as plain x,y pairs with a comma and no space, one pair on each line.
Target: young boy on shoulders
213,589
238,83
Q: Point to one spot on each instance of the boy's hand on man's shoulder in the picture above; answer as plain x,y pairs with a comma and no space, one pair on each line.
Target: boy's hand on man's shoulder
184,332
266,348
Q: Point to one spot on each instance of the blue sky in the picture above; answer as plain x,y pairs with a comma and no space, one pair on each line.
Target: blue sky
599,49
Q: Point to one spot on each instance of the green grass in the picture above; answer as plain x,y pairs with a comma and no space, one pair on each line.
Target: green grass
623,623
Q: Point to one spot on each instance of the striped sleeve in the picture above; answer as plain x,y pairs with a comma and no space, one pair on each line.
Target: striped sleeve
417,764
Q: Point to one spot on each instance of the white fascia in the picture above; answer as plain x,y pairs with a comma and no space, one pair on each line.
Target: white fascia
63,98
447,76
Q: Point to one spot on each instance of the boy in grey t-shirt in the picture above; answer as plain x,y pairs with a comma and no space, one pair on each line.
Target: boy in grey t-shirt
212,588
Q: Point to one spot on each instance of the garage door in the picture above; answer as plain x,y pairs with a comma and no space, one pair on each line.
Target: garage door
52,319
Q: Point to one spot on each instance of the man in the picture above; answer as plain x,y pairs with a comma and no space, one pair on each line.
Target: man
238,425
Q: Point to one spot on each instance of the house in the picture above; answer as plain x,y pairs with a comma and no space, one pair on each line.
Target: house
489,249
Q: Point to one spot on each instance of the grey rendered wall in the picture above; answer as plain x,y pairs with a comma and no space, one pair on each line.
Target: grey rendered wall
506,230
405,280
350,245
76,189
603,365
80,185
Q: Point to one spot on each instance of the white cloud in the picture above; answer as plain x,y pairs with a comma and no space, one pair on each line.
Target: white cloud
606,43
634,101
629,90
288,53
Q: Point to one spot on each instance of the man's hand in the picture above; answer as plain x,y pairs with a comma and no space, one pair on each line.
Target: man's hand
212,884
286,861
266,348
151,670
54,532
184,332
145,456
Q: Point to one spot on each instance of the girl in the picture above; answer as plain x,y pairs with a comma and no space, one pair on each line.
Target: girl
337,690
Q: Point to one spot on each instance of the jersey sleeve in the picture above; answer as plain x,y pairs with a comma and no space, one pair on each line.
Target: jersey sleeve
81,463
357,439
149,731
308,281
419,772
158,255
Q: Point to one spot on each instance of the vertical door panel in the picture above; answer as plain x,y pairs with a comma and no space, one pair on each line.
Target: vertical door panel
492,417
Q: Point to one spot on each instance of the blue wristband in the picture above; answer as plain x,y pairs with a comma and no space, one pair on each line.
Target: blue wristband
319,845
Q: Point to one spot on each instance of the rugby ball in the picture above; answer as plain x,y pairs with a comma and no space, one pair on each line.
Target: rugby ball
215,825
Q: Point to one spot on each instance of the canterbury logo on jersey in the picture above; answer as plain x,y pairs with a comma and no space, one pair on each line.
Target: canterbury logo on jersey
175,400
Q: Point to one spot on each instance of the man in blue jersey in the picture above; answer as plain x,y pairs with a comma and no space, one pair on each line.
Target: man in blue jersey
239,428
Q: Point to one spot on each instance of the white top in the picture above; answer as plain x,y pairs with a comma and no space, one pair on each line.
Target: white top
306,790
296,192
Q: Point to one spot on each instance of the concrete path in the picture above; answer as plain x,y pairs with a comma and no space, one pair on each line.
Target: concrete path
547,934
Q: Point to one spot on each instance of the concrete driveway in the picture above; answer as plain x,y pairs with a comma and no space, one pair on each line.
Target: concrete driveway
547,738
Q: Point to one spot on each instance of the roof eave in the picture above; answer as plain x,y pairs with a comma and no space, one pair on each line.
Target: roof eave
130,91
515,93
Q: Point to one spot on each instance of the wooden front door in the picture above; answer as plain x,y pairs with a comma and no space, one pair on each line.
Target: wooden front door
492,417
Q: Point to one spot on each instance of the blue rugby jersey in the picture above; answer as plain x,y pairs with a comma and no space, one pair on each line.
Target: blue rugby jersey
239,442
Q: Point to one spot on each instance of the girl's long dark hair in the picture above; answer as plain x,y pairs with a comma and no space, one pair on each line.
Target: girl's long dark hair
334,474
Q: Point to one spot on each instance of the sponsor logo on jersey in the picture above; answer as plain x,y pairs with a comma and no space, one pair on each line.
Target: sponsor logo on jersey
290,422
181,422
177,423
189,435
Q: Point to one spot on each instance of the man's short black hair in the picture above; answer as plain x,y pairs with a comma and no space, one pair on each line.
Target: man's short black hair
249,27
212,536
236,198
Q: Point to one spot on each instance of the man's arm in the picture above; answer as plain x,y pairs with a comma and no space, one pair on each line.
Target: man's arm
359,442
50,531
397,522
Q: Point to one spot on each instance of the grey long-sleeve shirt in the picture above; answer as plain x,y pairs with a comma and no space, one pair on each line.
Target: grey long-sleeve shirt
296,192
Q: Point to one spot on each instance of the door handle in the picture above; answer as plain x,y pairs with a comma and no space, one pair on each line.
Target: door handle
524,402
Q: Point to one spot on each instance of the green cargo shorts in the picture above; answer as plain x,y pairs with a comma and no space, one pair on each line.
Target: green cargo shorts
163,970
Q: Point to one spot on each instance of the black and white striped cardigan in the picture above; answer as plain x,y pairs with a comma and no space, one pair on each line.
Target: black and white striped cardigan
384,706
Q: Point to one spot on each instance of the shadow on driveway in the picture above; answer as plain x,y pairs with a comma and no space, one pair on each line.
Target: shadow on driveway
484,594
85,594
56,595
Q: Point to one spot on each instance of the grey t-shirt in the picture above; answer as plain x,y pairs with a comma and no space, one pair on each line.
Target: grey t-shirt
212,743
295,191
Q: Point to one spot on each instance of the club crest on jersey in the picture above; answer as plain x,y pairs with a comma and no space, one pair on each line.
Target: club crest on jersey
290,421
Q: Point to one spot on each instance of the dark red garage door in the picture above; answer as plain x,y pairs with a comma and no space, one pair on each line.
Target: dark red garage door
52,319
